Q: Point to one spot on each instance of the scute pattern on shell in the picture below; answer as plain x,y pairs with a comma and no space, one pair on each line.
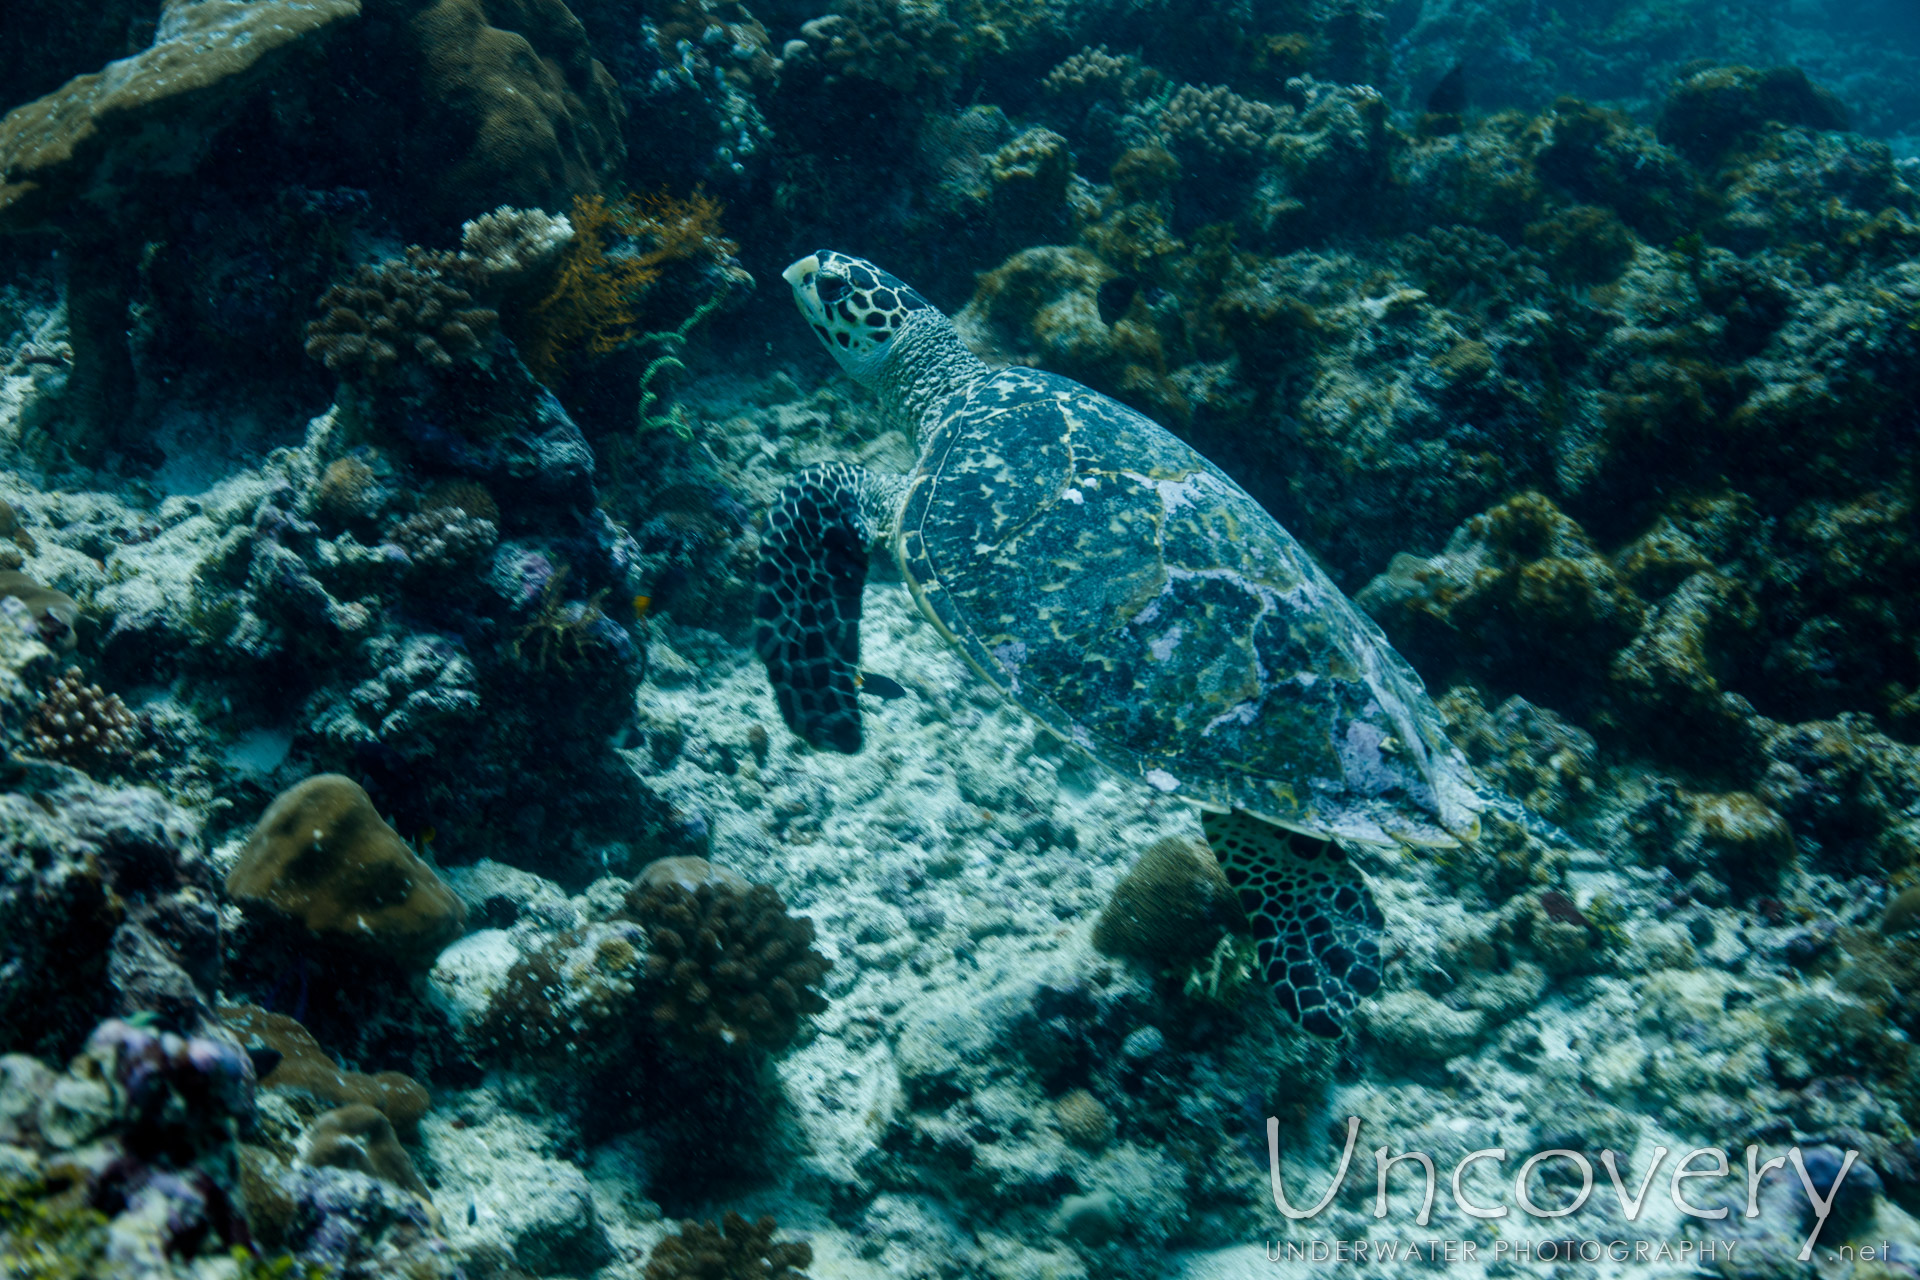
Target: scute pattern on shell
1140,604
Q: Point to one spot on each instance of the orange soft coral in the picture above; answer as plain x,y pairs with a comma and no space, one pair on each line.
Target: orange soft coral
618,253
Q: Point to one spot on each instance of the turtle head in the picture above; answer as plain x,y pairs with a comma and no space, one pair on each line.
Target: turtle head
856,308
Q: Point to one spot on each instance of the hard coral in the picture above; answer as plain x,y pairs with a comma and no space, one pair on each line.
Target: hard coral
909,48
295,1064
82,725
322,855
404,313
736,972
1097,73
1042,307
347,492
361,1138
1524,581
741,1250
1709,111
1218,124
1174,905
572,999
443,537
1083,1119
529,116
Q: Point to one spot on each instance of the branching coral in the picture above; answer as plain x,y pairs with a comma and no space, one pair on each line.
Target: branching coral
617,254
1097,73
82,725
416,310
737,972
741,1250
909,48
1219,124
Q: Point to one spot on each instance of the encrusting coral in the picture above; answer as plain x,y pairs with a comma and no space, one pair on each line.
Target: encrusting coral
300,1068
361,1138
52,614
737,1250
322,855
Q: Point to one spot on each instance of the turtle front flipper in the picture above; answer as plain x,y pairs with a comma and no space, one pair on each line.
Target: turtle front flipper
813,568
1314,921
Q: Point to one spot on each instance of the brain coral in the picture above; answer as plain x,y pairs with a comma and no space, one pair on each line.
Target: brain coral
735,971
533,120
1173,905
322,855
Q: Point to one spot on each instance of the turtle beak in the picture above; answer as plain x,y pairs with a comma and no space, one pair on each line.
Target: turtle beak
799,277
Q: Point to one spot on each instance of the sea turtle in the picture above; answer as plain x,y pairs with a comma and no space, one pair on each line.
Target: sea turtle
1136,602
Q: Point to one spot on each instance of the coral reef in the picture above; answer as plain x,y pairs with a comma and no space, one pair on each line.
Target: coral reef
395,315
1173,905
594,306
736,972
108,909
1578,342
50,614
302,1069
361,1138
530,117
82,725
124,1162
322,855
734,1249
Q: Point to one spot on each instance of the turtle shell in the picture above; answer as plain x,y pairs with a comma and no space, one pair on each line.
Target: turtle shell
1141,605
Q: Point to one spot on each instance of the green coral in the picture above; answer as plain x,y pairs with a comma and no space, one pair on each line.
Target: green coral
45,1234
44,1237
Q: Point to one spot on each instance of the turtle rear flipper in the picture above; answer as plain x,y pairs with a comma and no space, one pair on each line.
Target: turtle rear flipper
813,568
1314,921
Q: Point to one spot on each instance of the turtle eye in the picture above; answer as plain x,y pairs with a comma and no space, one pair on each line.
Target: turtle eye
831,289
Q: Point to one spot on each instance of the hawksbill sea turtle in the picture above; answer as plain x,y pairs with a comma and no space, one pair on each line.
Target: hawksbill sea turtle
1137,603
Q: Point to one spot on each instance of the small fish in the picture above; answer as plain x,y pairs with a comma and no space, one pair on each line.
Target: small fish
473,1213
1115,296
1449,97
881,686
641,604
426,836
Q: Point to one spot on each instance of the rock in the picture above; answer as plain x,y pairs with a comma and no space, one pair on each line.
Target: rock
1415,1026
79,151
359,1137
